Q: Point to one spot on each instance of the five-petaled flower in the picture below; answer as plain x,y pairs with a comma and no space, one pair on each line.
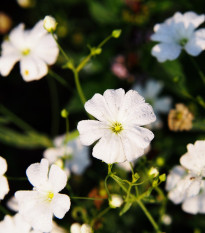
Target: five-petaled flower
177,33
118,128
38,206
35,49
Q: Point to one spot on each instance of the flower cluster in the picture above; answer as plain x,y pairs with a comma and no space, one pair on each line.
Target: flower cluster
186,183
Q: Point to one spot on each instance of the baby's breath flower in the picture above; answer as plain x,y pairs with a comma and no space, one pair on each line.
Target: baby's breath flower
166,219
35,49
177,33
4,186
180,119
39,205
85,228
115,201
153,172
118,126
49,23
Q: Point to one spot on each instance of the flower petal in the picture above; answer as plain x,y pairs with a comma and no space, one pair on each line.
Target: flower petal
4,187
109,149
60,205
35,211
57,178
166,51
3,166
37,173
17,37
7,63
90,131
193,18
32,68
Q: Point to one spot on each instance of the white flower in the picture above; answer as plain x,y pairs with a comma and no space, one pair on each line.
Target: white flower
35,49
115,201
177,33
39,205
4,186
49,23
14,224
85,228
166,219
153,171
56,229
73,153
160,105
77,228
118,125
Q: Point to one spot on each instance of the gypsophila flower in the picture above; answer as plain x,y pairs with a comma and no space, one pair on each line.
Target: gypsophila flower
39,206
73,154
56,229
177,33
77,228
118,126
49,23
115,201
186,184
4,186
161,105
14,224
35,49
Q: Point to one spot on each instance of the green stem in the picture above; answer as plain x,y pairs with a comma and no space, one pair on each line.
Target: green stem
106,187
67,129
78,86
201,74
62,51
54,107
149,216
104,41
89,198
15,119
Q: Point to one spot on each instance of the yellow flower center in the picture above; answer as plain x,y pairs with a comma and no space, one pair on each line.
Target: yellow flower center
116,127
50,196
25,52
26,72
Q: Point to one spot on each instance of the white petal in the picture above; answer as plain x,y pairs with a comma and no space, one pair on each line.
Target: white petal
75,228
3,166
109,149
7,63
46,50
60,205
163,33
36,211
135,111
195,204
4,187
51,154
98,108
17,37
193,18
90,131
32,68
37,173
57,178
165,51
37,32
174,177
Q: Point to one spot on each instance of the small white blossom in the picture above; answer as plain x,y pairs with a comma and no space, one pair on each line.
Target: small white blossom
71,156
77,228
14,224
39,205
177,33
115,201
4,186
118,126
85,228
166,219
35,49
49,23
153,171
161,105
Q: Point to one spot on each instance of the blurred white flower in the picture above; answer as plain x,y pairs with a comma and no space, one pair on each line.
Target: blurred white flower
39,205
118,125
177,33
14,224
49,23
4,186
56,229
35,49
77,228
160,105
166,219
115,201
73,154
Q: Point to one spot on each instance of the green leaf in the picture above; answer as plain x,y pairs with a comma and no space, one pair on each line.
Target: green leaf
125,208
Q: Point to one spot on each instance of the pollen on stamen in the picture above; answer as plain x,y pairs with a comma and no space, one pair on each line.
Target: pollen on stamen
50,196
26,72
116,127
25,52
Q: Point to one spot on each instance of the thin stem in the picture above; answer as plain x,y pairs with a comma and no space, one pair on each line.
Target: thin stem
104,41
67,128
149,216
78,86
62,51
54,107
201,74
106,187
15,119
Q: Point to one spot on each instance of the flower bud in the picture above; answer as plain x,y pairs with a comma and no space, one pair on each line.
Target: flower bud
75,228
116,33
153,172
116,201
85,228
49,23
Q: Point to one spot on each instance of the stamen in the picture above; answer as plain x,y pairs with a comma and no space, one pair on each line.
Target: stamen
25,52
116,127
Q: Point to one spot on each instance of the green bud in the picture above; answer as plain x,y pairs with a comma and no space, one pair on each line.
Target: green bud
64,113
160,161
155,183
96,51
116,33
162,177
135,177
